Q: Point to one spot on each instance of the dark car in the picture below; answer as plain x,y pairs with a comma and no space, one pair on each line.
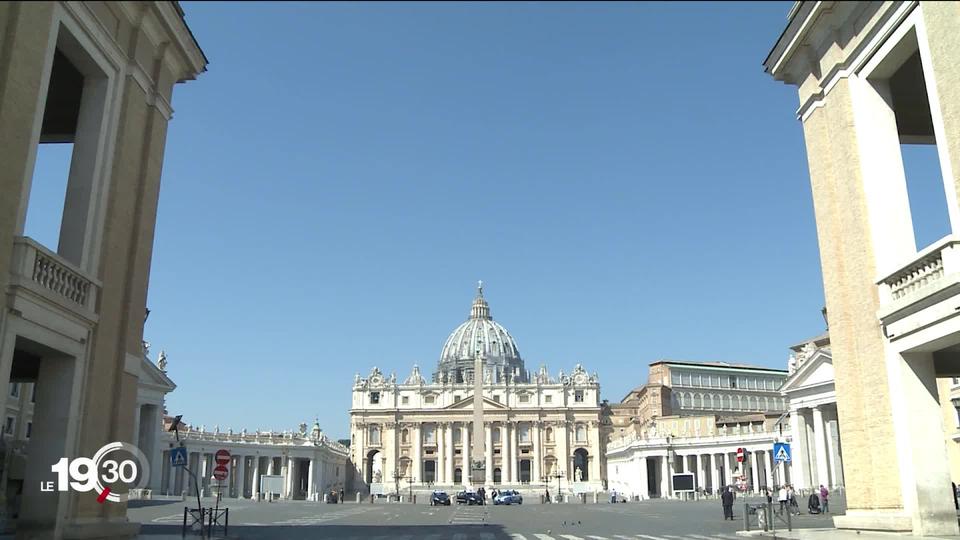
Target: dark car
439,498
469,497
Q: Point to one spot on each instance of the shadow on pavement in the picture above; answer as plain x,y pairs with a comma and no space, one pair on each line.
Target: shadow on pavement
278,532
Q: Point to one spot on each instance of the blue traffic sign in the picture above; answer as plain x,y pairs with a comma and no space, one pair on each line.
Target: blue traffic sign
178,457
781,452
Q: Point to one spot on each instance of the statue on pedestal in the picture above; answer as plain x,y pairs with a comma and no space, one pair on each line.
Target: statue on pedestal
578,475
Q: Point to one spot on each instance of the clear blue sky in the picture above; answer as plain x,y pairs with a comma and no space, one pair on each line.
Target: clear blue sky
624,177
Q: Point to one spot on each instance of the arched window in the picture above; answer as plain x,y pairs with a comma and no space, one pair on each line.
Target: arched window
548,434
698,401
726,402
405,436
495,434
766,403
374,434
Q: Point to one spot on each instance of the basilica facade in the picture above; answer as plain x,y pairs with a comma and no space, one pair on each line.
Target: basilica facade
540,431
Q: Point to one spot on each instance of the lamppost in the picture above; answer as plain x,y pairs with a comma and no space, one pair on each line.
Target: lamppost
396,481
410,487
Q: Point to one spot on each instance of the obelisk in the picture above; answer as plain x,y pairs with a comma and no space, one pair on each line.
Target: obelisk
477,451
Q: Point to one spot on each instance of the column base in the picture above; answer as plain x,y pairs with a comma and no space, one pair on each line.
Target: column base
875,520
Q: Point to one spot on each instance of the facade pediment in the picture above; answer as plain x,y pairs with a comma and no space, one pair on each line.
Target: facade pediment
817,370
151,376
467,403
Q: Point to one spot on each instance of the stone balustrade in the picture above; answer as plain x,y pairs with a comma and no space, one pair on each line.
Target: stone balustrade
272,438
924,274
730,437
38,268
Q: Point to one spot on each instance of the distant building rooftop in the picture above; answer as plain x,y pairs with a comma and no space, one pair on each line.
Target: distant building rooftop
716,365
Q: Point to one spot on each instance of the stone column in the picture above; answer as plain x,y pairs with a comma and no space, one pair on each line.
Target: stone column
241,477
504,453
204,473
594,437
489,454
465,455
644,487
271,466
255,481
514,455
798,451
561,435
769,463
714,473
665,491
438,432
291,471
312,481
449,445
820,444
701,479
832,454
153,450
535,438
755,466
416,439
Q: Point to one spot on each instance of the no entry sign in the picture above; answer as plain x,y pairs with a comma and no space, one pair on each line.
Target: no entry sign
222,457
740,452
220,473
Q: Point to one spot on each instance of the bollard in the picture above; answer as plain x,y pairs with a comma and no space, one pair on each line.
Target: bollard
358,497
371,498
326,498
746,517
414,501
595,497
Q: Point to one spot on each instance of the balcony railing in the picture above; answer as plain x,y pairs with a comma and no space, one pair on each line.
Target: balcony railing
42,270
934,269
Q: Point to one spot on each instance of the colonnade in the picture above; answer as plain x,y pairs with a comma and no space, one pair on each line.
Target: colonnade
817,455
304,478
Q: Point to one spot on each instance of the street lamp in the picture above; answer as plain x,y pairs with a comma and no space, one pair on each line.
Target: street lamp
410,487
396,480
558,474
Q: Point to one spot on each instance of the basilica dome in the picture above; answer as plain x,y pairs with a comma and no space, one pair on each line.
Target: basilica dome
480,333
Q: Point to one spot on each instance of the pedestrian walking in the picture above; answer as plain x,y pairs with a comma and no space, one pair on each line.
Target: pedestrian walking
547,491
824,499
792,499
784,499
726,499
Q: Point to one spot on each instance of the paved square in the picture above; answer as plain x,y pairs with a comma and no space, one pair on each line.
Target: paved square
648,520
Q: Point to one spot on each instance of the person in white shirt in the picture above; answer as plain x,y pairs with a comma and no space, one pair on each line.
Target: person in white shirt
782,498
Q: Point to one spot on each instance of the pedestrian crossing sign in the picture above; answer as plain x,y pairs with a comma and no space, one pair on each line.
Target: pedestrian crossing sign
781,452
178,457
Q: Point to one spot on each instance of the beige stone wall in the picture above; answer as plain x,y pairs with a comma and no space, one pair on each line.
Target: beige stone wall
942,20
108,397
950,426
852,299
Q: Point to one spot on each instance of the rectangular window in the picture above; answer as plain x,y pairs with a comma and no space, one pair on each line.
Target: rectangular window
29,429
15,390
429,399
33,393
405,400
524,433
374,398
548,399
456,399
524,398
496,398
578,396
686,379
429,435
675,378
696,379
8,426
728,381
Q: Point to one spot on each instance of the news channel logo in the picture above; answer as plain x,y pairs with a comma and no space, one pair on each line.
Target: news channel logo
113,471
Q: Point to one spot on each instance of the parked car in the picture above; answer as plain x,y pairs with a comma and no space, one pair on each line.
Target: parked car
469,497
508,497
439,498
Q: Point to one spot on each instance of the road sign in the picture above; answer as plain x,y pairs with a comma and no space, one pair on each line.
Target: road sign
220,472
740,454
178,457
222,457
781,452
